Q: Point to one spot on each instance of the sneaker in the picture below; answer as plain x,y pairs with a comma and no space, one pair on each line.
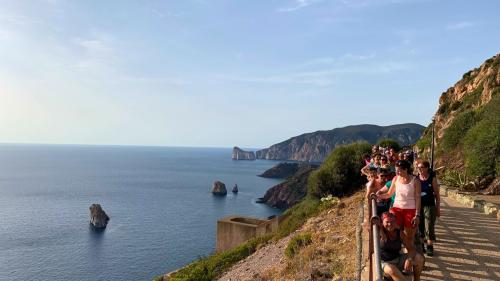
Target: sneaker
430,250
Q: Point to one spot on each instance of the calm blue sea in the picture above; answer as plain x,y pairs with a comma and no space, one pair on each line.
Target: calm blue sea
162,212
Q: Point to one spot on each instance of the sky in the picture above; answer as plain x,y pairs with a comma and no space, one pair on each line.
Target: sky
225,73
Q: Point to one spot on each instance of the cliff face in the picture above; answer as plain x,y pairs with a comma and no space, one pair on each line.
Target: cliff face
240,154
285,170
291,191
315,147
467,125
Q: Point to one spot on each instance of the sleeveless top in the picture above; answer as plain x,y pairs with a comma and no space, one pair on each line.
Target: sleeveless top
390,249
405,194
428,197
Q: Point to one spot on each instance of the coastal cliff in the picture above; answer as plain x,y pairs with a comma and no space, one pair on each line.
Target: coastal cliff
315,147
285,170
292,190
467,130
240,154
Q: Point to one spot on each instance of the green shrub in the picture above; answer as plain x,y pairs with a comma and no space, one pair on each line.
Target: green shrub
296,216
296,243
389,143
459,126
453,178
424,142
209,268
339,174
482,142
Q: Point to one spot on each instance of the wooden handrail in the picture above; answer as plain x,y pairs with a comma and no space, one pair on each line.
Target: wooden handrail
375,261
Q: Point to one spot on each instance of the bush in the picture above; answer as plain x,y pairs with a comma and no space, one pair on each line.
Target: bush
389,143
459,126
296,243
339,174
297,215
453,178
482,142
205,269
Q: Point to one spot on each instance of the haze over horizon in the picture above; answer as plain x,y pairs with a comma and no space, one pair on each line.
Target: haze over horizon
225,73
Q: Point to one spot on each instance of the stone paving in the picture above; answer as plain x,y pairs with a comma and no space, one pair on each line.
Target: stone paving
468,246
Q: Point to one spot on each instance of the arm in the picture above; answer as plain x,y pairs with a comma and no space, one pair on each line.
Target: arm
364,170
369,188
435,186
418,201
391,190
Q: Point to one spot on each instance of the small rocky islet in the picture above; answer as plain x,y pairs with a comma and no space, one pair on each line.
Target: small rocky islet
98,218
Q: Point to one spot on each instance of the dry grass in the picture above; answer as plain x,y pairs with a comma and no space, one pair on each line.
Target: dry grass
332,252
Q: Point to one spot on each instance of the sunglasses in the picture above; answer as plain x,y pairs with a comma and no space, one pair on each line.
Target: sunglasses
383,176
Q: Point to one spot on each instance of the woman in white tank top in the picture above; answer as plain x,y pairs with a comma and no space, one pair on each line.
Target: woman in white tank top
407,201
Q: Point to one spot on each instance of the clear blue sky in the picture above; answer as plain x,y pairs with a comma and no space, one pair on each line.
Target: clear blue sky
224,73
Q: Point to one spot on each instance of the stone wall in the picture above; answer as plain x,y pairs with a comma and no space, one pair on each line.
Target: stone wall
234,230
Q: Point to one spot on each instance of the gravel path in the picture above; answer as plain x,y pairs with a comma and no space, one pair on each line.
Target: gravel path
467,247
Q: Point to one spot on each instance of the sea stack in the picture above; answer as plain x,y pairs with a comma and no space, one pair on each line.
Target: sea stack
98,218
240,154
235,188
219,188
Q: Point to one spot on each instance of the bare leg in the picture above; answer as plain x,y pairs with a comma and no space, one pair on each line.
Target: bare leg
418,267
394,273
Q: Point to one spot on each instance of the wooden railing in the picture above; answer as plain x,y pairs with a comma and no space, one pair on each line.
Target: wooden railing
374,252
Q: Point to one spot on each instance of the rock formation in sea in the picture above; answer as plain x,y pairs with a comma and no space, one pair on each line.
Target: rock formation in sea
98,218
240,154
235,188
291,191
219,188
315,147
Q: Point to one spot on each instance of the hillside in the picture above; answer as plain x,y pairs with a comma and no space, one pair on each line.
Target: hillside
316,146
467,130
327,252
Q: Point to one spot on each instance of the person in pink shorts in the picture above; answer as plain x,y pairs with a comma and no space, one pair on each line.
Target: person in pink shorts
406,205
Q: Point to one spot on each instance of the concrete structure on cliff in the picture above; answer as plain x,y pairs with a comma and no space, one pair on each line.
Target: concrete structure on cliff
234,230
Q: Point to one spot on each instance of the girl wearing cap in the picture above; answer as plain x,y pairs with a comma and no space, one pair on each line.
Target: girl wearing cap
406,205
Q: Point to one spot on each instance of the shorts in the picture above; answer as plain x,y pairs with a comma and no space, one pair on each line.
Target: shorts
399,262
404,217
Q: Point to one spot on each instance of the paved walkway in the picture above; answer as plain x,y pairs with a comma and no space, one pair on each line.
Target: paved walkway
468,246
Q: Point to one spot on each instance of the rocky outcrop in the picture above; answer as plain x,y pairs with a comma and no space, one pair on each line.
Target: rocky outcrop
315,147
240,154
467,123
219,188
291,191
98,218
285,170
235,188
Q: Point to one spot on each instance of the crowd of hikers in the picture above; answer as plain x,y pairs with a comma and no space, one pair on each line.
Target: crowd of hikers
408,205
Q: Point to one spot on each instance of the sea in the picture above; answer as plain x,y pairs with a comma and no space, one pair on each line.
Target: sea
162,212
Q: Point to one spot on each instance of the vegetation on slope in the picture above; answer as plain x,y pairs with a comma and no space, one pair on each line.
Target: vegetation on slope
338,175
468,129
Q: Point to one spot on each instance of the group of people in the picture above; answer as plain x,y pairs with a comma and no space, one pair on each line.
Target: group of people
408,204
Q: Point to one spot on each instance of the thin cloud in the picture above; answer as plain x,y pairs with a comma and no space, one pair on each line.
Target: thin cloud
297,5
460,25
325,76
